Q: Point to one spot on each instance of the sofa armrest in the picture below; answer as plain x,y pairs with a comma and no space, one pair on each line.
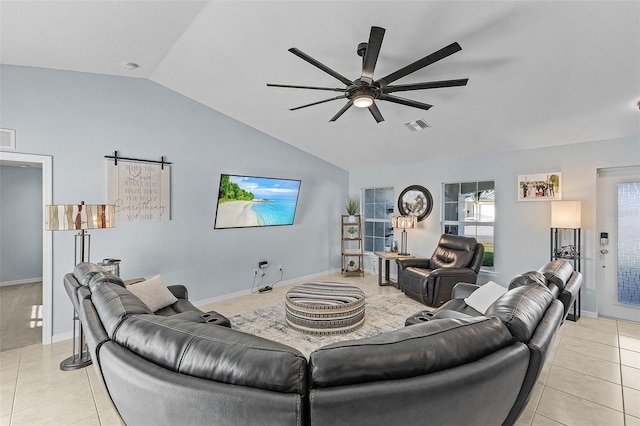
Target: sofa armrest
447,313
463,290
444,279
179,291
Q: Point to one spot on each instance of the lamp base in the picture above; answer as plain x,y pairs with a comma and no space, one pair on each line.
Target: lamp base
75,363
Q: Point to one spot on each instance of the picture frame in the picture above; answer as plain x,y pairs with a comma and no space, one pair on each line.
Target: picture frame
540,187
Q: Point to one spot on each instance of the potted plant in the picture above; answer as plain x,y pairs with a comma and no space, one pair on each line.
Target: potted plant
352,230
351,266
352,206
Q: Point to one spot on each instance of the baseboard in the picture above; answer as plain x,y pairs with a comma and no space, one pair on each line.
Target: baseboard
587,314
210,300
17,282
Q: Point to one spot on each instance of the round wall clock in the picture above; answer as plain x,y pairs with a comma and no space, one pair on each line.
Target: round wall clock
415,200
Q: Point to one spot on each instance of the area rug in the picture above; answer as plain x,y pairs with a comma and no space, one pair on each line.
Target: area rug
382,313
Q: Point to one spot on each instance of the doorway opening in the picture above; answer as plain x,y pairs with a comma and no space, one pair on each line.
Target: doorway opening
42,313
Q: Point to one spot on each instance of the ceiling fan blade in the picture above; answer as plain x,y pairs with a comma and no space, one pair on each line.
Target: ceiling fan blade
342,110
299,53
290,86
420,63
376,113
403,101
316,103
425,85
371,54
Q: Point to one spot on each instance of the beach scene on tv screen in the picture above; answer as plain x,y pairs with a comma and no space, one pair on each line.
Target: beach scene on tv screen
246,201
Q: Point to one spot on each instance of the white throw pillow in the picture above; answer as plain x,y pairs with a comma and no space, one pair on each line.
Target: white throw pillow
483,297
153,293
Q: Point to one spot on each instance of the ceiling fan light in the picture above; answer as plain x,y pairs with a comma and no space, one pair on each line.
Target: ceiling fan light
363,101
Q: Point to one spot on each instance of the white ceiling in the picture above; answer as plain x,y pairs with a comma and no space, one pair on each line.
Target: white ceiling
540,73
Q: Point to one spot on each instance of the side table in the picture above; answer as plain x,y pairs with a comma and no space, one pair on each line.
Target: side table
387,256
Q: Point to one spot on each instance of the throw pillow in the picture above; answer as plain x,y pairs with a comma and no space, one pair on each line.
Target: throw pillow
153,293
483,297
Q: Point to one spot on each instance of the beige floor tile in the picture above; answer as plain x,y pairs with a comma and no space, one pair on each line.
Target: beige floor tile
630,358
585,364
630,377
539,420
631,421
525,418
631,401
534,397
55,413
110,418
587,387
100,394
51,389
572,410
7,394
593,349
5,420
604,324
630,343
92,420
628,328
591,334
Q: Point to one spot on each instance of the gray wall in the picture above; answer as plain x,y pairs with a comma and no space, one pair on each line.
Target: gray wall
78,118
20,223
522,228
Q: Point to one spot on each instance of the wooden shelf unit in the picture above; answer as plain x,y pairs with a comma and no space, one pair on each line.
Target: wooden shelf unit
352,246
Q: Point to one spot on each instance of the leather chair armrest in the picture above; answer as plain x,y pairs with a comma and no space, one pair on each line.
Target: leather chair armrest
179,291
417,263
453,272
463,290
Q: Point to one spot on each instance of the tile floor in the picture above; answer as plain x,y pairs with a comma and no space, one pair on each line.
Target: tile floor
592,376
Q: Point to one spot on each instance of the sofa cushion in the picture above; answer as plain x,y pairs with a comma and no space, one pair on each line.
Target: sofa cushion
214,353
557,272
105,277
153,293
531,277
521,309
484,296
113,303
408,352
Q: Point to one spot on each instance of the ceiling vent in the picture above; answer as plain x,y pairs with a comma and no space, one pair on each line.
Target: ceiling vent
417,125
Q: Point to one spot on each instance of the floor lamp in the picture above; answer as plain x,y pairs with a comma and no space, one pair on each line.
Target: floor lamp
79,217
404,222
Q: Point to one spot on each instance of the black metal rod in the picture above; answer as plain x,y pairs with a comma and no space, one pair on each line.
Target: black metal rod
117,157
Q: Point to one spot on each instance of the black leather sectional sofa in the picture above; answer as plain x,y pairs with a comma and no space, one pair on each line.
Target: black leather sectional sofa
179,369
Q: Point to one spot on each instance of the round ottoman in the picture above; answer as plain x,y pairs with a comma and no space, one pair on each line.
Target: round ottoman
325,308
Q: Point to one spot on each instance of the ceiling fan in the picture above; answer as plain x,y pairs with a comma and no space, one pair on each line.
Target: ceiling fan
364,91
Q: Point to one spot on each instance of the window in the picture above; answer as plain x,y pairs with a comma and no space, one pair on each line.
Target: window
469,210
378,211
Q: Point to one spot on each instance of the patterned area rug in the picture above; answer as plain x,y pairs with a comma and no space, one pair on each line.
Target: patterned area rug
382,313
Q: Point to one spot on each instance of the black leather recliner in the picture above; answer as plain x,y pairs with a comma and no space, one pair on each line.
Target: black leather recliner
430,281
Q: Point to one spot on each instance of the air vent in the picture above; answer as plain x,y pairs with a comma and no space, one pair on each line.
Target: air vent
417,125
8,138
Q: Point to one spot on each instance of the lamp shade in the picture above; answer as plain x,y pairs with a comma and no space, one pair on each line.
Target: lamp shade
565,214
69,217
404,222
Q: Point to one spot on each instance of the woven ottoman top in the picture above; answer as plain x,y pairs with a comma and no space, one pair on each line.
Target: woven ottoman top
325,308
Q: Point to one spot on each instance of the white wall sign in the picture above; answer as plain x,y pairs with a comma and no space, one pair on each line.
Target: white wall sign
140,191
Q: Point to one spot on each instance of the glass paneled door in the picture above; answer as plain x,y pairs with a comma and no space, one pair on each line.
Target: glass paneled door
619,242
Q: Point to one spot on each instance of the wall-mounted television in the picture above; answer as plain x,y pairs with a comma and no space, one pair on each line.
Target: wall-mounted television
250,201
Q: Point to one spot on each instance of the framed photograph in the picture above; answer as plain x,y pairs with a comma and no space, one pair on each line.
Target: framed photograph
540,187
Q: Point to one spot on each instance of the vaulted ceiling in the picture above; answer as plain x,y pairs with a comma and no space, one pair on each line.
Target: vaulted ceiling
540,73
